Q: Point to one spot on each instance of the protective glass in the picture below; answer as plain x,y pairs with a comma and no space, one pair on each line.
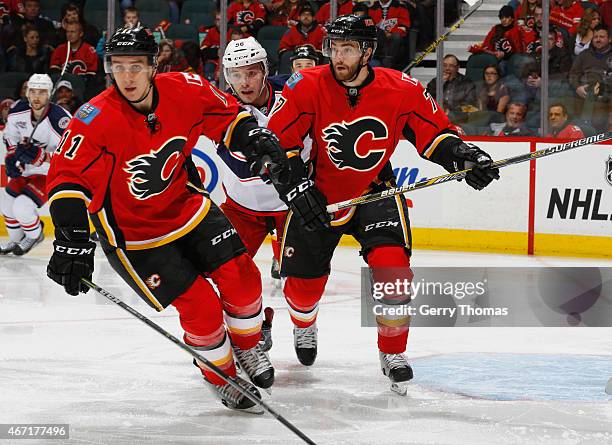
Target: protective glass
239,77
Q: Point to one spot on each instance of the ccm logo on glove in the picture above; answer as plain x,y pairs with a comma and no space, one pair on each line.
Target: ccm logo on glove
74,250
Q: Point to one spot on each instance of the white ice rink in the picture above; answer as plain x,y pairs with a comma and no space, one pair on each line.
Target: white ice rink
86,362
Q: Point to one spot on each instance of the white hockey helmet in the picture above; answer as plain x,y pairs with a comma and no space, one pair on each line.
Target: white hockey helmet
244,52
40,82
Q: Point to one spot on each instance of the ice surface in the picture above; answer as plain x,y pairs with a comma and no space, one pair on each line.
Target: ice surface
85,362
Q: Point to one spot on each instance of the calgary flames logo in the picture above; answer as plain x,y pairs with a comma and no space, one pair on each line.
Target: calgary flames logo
343,138
150,174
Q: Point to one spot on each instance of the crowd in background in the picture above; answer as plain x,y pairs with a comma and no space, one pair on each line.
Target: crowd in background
499,94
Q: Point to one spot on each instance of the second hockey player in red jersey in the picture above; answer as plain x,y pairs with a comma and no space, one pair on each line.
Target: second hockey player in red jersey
125,158
355,116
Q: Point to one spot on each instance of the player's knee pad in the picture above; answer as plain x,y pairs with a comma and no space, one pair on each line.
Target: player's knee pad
6,204
239,283
200,314
25,210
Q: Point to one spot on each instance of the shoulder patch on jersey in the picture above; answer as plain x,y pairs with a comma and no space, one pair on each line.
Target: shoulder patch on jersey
87,113
294,79
63,122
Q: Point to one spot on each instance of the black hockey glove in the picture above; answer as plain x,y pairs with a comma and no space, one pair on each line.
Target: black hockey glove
454,155
265,156
30,154
309,204
470,156
12,171
70,262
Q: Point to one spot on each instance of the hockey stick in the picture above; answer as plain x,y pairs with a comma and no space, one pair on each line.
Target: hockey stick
42,116
218,372
443,37
331,208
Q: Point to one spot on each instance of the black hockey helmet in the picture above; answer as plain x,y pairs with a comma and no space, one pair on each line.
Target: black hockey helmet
305,52
136,41
351,27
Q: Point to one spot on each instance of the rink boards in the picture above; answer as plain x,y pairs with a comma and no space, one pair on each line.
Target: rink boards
560,205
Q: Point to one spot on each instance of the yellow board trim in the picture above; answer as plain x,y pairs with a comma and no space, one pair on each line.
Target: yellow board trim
487,241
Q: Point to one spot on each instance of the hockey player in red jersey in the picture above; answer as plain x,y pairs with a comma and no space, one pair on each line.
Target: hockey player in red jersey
125,158
355,116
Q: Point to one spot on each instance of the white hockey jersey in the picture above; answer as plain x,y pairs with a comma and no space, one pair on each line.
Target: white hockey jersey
48,134
239,183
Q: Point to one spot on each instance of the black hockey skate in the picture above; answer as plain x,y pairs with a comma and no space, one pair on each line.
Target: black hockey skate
256,364
396,367
305,342
233,399
27,244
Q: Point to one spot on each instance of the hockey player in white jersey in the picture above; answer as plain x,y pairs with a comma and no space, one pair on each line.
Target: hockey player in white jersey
252,204
27,163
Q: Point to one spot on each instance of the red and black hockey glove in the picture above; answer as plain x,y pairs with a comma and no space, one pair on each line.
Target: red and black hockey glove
30,154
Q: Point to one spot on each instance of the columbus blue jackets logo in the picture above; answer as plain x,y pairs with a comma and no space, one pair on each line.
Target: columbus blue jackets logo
347,143
609,170
151,174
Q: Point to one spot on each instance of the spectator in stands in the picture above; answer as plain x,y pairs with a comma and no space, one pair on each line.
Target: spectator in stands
559,125
248,15
209,50
5,106
590,19
494,95
65,97
14,6
29,56
20,90
344,7
32,15
285,12
605,10
515,122
304,57
559,58
82,61
590,65
306,32
131,16
566,14
393,19
497,42
237,34
169,58
459,93
525,12
71,13
191,52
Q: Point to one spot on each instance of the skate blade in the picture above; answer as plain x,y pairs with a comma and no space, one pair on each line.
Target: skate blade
399,388
257,410
609,387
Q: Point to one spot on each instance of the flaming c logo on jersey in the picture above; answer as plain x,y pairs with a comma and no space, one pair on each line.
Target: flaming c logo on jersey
150,174
342,140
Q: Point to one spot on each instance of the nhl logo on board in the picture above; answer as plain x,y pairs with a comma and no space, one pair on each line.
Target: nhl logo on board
609,170
153,281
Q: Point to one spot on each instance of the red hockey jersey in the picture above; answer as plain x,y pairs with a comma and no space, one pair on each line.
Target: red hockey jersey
295,37
567,18
83,60
394,18
324,12
238,14
131,176
351,144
